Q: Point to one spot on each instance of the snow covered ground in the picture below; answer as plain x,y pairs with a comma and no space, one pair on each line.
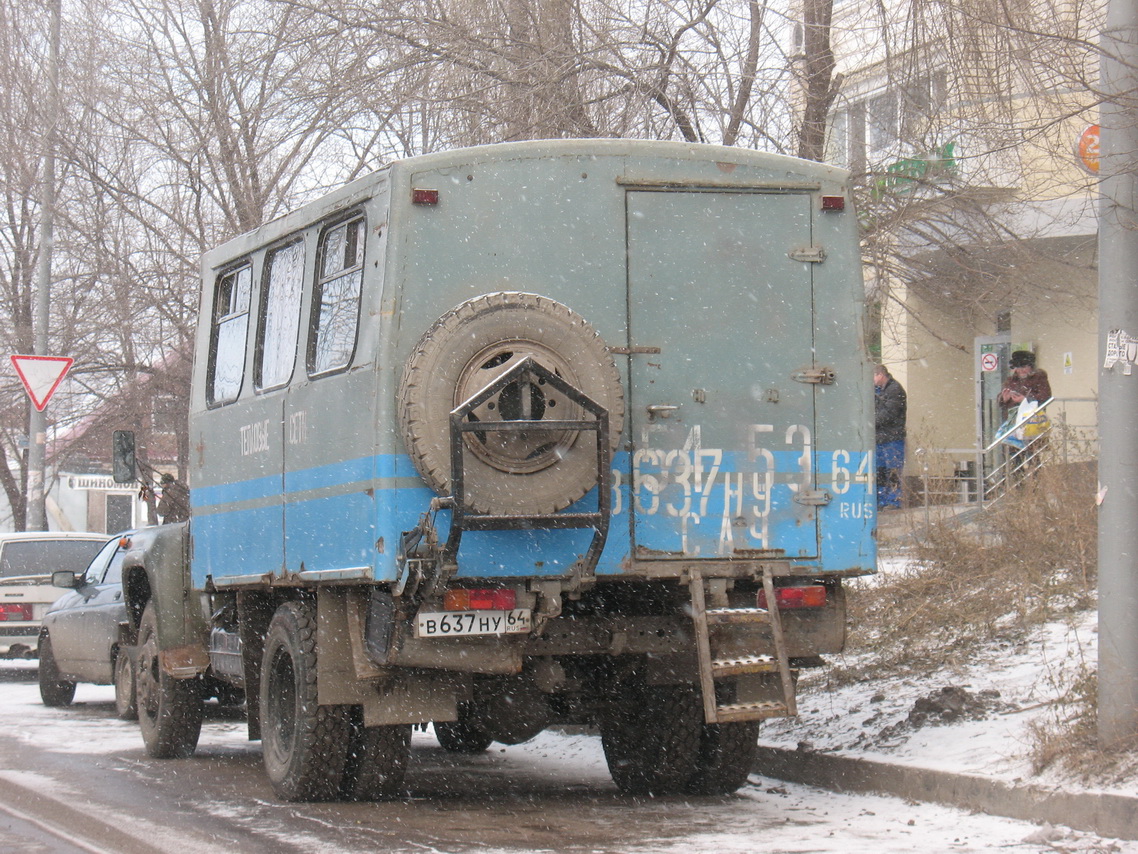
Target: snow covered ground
975,719
765,816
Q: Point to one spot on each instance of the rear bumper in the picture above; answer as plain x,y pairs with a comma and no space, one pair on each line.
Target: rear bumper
19,640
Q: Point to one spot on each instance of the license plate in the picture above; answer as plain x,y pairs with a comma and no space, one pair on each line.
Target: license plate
450,624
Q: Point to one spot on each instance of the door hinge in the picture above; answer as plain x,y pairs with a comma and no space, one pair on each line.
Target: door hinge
819,376
814,254
813,497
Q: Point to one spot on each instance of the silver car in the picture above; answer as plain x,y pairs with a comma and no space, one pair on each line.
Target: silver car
27,561
86,630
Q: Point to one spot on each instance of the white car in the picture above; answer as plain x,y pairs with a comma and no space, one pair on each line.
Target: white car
27,561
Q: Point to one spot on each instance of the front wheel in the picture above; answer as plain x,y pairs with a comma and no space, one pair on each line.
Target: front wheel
169,709
54,691
305,745
126,705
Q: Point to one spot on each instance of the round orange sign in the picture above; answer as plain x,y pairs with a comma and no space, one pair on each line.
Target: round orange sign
1087,149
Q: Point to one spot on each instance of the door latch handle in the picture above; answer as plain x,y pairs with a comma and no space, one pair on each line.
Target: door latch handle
660,410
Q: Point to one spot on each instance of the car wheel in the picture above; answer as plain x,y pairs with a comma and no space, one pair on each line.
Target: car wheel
377,760
54,691
651,738
516,472
304,744
126,705
169,709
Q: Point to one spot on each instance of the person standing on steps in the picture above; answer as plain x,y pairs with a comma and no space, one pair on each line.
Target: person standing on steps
1024,382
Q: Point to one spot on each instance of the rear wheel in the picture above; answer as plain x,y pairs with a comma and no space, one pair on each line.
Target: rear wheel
462,736
651,738
169,709
305,745
54,691
126,706
726,757
377,760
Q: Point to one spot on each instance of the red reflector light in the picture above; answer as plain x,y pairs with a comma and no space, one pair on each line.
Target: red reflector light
479,599
21,612
424,197
813,596
833,203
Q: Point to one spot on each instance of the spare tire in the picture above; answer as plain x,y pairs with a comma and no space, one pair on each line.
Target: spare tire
508,473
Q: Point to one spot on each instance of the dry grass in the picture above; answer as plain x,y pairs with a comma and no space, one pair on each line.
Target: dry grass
991,579
987,582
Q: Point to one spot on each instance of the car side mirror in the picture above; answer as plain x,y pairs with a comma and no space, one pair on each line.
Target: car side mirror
66,578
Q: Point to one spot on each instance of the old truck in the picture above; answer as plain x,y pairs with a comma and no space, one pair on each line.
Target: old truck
532,434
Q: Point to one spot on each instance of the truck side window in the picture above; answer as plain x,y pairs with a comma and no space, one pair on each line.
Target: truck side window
332,339
230,327
280,314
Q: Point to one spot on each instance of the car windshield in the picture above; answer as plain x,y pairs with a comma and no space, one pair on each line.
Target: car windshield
43,557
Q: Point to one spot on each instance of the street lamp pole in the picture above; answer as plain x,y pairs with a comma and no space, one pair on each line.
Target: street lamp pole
1118,383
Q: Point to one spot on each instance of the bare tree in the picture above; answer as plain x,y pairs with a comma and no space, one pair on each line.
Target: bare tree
974,103
698,70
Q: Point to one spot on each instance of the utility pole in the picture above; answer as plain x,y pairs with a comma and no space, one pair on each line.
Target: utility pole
37,420
1118,380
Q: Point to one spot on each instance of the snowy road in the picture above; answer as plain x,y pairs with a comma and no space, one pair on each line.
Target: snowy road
83,773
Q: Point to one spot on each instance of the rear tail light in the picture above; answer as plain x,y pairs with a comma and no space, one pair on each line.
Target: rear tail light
479,599
15,612
813,596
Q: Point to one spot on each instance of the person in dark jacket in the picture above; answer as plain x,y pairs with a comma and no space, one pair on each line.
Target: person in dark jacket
1024,381
174,506
889,410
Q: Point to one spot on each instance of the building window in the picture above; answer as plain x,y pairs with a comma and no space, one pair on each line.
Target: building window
882,115
921,100
857,161
837,146
167,413
230,328
336,297
280,314
874,128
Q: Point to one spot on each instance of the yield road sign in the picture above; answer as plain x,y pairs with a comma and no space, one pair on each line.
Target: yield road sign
41,376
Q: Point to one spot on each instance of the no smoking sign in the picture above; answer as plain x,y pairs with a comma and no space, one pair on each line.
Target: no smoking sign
989,362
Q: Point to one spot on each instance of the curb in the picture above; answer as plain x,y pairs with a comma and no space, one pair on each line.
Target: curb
1102,813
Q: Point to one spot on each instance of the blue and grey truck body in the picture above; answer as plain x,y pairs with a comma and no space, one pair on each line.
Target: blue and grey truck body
505,437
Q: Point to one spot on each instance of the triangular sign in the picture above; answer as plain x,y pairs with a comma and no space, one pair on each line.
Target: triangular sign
41,376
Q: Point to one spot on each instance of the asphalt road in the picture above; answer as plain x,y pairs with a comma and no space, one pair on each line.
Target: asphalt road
78,779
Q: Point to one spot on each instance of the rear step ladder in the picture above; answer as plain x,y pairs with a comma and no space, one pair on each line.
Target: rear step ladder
712,667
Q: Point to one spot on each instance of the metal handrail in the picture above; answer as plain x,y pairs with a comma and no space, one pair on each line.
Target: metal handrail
1020,421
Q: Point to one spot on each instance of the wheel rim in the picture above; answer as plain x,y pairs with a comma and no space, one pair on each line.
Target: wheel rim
122,673
146,677
281,706
518,452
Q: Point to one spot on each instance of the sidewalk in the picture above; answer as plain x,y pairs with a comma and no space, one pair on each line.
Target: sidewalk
1103,813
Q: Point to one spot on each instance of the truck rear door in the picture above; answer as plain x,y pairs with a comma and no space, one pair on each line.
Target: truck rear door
721,319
